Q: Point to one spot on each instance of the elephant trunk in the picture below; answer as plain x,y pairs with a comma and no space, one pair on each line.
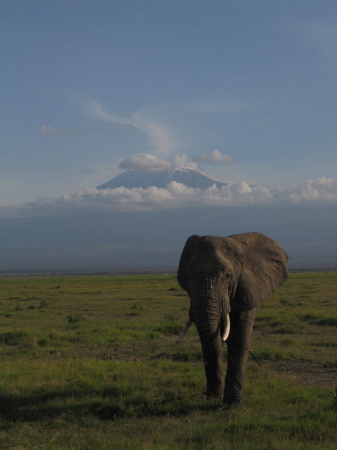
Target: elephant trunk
209,305
209,309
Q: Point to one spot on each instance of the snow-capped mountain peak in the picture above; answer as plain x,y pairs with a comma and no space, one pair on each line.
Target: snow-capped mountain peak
144,179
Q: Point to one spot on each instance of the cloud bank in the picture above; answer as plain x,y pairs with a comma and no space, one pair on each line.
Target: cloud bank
175,196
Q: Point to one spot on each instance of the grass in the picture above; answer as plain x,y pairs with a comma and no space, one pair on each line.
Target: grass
91,362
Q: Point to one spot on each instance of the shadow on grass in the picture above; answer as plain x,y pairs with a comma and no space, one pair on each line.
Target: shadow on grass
101,405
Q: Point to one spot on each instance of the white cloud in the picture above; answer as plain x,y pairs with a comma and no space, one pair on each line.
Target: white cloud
184,161
214,157
176,195
320,189
145,162
159,135
116,120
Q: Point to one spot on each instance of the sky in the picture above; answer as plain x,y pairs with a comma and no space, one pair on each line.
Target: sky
243,91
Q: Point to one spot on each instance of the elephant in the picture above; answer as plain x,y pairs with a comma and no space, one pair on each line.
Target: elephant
227,279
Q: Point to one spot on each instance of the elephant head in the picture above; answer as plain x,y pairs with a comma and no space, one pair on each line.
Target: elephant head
227,279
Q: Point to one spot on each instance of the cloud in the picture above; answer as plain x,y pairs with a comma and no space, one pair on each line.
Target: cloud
145,162
214,157
184,161
159,135
68,131
116,120
49,129
320,189
176,195
319,34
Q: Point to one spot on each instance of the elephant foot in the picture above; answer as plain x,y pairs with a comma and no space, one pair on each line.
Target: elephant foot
233,406
214,398
233,400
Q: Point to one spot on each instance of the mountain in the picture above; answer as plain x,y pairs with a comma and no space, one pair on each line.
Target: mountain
142,179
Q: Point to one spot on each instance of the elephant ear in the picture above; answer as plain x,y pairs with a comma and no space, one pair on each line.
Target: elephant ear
184,259
264,270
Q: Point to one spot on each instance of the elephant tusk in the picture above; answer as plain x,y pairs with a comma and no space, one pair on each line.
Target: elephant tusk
227,327
184,330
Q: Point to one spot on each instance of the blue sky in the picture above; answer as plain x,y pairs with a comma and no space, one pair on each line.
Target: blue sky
86,84
242,90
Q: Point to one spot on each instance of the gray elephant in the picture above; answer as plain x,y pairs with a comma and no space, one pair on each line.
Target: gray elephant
227,279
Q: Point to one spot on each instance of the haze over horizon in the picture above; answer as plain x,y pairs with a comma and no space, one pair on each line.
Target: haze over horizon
243,92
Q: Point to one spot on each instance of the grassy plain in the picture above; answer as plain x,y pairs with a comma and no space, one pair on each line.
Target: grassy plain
90,362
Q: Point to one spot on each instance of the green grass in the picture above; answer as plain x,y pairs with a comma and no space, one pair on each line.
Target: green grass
90,362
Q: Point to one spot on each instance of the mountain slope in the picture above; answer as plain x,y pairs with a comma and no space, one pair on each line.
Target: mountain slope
141,179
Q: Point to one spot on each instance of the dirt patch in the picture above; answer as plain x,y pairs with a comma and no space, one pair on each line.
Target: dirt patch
306,372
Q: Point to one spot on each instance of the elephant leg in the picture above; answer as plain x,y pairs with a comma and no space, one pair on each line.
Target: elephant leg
238,344
212,353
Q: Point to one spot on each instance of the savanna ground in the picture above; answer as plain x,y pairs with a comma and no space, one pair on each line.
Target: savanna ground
90,362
